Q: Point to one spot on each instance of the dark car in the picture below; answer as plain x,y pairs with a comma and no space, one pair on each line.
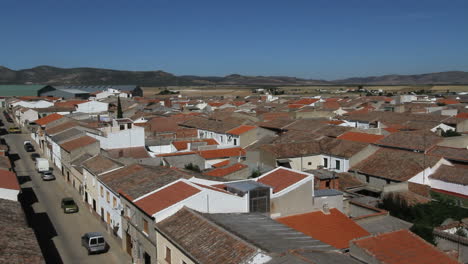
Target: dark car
69,206
34,156
29,148
94,243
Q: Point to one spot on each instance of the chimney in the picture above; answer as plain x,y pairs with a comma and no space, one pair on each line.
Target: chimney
325,209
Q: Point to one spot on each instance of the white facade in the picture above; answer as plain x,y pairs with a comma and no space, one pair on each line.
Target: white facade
221,138
312,162
27,116
33,104
9,194
109,203
121,136
449,187
92,107
423,176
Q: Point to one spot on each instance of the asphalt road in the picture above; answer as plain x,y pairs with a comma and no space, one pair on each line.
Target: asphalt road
59,233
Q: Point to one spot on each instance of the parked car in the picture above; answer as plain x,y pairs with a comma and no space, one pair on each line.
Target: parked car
69,206
94,243
28,146
34,156
14,130
47,176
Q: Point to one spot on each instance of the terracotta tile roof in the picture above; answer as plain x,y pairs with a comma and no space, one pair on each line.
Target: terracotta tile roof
177,154
99,164
47,119
458,154
306,101
448,101
275,115
61,127
334,122
361,137
332,105
137,180
134,152
221,164
222,153
206,241
402,247
221,172
166,197
69,103
414,140
5,162
182,145
281,179
18,241
335,228
347,181
462,115
394,164
78,143
216,104
8,180
451,174
295,106
240,130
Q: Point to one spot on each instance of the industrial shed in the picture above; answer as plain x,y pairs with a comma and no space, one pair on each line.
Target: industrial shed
84,91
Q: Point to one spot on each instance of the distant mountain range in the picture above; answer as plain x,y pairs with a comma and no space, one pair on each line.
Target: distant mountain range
95,76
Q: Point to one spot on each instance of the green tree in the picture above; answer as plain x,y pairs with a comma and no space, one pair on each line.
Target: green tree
119,108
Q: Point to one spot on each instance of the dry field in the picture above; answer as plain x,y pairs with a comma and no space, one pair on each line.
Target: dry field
201,91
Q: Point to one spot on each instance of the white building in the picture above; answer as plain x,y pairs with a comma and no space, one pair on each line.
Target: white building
122,133
91,107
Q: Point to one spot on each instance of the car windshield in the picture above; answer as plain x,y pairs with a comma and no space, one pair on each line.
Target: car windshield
100,240
69,202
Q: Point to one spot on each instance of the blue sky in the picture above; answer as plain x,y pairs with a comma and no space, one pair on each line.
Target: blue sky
310,39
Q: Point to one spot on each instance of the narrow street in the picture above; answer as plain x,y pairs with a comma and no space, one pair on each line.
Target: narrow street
59,233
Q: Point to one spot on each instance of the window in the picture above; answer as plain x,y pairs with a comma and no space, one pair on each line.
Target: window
367,179
108,218
129,126
145,226
122,127
309,163
337,164
114,202
222,140
325,162
235,142
107,196
327,184
102,192
168,255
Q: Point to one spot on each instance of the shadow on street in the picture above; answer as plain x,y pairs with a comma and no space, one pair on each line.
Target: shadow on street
42,226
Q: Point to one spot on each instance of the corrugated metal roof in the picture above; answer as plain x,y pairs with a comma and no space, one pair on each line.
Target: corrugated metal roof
20,90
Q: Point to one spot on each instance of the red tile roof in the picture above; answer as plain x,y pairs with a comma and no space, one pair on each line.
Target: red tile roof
240,130
335,228
78,143
221,164
216,104
295,106
306,101
402,247
361,137
334,122
221,172
281,178
222,153
448,101
181,145
462,115
69,103
47,119
8,180
333,105
166,197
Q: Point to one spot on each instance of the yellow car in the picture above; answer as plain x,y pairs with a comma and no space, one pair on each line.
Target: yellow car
14,130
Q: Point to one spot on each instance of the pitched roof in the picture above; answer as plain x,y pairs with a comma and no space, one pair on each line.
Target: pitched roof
421,141
402,247
458,154
462,115
100,163
221,153
394,164
61,127
221,172
8,180
47,119
306,101
335,228
18,241
361,137
204,240
451,174
165,197
240,130
182,145
78,143
134,152
281,179
221,164
136,180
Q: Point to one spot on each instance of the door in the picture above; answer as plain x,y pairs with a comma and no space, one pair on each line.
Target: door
94,205
86,197
129,244
147,258
102,214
